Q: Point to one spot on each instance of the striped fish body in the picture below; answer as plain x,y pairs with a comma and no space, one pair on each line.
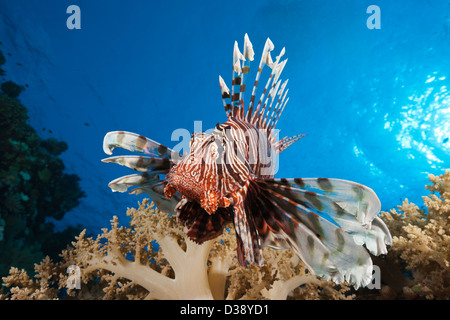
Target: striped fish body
220,164
228,177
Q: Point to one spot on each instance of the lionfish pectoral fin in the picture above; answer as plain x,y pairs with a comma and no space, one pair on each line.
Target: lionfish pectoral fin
156,193
276,241
159,162
149,183
201,225
136,143
326,222
140,163
249,245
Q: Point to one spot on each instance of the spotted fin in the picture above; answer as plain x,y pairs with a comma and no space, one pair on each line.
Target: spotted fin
139,179
260,113
357,199
135,143
226,97
332,255
140,163
150,183
159,163
237,82
351,206
326,236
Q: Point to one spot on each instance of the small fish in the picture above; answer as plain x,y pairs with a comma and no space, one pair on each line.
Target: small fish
228,177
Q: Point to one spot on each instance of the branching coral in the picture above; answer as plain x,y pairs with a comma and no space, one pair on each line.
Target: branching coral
24,288
154,259
176,271
422,241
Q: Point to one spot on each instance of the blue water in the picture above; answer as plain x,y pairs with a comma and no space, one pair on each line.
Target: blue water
374,103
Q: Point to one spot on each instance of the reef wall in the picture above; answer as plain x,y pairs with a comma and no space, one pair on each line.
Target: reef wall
33,186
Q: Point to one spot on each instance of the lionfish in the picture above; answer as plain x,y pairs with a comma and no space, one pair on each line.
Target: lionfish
228,177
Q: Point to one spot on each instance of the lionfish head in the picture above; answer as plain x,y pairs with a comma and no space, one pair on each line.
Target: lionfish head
195,176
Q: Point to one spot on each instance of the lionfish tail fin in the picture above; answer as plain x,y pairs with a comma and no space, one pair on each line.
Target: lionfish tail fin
325,221
148,181
264,113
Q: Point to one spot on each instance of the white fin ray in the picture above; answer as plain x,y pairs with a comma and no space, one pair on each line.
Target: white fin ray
135,143
140,163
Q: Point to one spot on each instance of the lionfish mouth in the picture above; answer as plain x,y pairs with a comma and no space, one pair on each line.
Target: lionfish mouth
209,199
184,185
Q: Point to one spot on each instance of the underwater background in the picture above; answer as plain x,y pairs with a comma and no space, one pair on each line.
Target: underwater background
373,103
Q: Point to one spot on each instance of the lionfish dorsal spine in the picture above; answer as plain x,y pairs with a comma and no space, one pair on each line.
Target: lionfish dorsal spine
268,46
249,55
237,81
266,112
225,96
257,114
280,111
277,68
276,108
272,94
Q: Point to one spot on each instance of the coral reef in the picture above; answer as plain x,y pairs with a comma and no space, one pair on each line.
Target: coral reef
421,243
11,89
33,187
154,259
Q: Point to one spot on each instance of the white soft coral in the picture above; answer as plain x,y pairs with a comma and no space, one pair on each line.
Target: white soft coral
176,270
153,258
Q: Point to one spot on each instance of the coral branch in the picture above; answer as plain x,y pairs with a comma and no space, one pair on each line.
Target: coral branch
154,259
421,241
